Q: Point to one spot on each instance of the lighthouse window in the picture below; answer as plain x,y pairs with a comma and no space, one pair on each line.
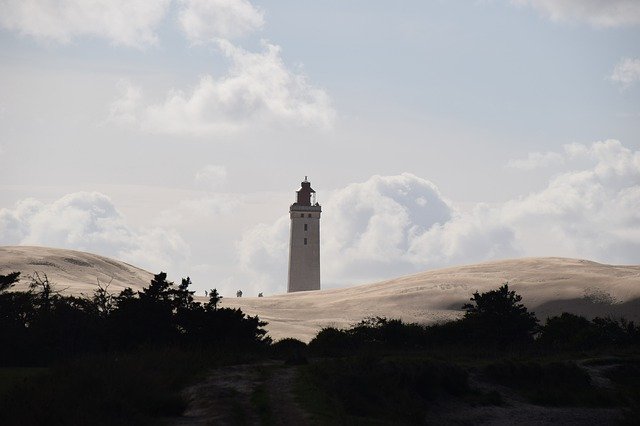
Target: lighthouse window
305,226
305,241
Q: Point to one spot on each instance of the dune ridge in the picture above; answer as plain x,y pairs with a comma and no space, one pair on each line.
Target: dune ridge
549,286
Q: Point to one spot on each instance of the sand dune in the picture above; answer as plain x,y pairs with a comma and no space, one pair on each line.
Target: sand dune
76,272
549,286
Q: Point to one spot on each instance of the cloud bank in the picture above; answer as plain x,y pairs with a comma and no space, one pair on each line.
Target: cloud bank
599,13
257,90
89,221
393,225
131,23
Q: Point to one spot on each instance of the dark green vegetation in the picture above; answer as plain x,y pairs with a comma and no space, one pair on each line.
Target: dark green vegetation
114,359
389,390
386,371
124,359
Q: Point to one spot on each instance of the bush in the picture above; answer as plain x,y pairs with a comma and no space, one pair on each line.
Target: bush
498,317
332,342
292,351
41,326
573,332
393,391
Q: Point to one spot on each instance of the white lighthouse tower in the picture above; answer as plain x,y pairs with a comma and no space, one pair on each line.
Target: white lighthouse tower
304,247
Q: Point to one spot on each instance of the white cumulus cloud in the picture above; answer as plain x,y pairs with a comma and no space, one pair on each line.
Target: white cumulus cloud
626,72
122,22
206,20
369,230
599,13
257,90
89,221
394,225
590,213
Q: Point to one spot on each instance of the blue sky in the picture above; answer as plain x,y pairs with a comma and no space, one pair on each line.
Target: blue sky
173,134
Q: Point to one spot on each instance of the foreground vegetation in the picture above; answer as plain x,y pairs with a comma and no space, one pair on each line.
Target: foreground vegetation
115,359
125,359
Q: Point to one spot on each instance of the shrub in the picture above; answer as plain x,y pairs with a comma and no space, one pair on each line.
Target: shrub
498,317
389,390
292,351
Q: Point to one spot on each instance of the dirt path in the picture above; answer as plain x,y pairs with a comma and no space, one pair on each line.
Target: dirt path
263,394
286,411
250,394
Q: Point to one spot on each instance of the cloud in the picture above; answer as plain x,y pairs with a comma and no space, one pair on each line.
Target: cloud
383,227
393,225
373,226
263,253
211,176
590,213
536,160
257,90
599,13
626,72
89,221
207,20
131,23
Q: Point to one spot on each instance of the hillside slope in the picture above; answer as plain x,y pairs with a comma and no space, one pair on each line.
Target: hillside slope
75,271
549,286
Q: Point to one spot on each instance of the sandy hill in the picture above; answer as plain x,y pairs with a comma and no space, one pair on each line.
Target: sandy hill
75,271
549,286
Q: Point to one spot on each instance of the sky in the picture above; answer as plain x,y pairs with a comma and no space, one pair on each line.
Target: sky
173,134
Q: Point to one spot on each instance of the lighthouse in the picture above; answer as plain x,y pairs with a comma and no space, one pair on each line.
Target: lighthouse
304,246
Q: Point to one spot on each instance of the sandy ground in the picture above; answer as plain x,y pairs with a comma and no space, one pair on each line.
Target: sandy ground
549,286
74,271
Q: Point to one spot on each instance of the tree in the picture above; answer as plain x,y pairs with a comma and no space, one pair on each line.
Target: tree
8,281
214,299
497,316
